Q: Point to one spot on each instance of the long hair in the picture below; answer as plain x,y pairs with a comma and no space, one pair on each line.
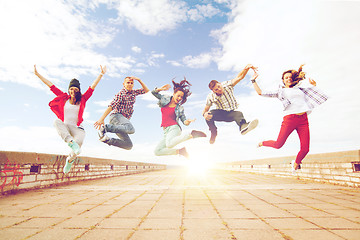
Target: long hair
78,96
183,86
296,76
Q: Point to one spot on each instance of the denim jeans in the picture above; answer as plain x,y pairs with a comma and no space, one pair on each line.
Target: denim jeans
172,137
122,127
220,115
70,133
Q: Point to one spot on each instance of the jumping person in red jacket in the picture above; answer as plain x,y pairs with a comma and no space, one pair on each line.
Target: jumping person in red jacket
69,108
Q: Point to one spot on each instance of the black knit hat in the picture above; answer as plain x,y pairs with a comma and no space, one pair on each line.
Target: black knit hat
74,83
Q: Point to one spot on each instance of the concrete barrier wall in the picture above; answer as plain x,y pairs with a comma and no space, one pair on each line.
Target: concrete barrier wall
337,168
19,170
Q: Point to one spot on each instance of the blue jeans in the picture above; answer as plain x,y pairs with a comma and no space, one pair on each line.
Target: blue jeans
122,127
172,137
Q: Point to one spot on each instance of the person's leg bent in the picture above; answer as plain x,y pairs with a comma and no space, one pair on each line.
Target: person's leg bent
304,136
175,136
119,124
287,127
238,117
162,149
63,130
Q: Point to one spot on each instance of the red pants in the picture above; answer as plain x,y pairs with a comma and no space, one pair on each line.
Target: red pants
290,123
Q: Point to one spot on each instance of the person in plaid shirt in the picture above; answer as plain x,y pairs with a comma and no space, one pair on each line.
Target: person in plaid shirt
298,97
222,96
122,109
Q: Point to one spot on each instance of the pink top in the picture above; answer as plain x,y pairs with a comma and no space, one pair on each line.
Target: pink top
168,116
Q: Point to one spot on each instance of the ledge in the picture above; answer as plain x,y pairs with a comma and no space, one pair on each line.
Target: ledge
26,170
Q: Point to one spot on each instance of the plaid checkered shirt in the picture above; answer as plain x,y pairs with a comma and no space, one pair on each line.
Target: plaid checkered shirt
313,96
123,102
225,101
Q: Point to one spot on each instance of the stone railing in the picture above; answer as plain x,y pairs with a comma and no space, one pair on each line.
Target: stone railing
337,168
19,170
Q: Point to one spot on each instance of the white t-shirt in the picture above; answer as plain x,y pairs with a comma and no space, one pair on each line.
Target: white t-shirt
297,99
71,113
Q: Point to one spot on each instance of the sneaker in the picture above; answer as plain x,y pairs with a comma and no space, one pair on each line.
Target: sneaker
197,134
74,147
247,127
213,137
101,131
105,138
183,152
68,164
294,167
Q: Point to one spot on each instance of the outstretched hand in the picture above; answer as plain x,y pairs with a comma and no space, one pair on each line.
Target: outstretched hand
164,88
103,69
255,75
188,121
98,124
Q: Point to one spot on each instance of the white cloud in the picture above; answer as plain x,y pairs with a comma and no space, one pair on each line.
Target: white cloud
153,58
203,11
174,63
201,61
52,34
151,17
136,49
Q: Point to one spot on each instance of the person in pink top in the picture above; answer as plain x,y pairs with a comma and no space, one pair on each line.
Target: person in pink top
69,109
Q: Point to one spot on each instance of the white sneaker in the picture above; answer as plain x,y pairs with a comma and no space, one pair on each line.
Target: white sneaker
253,124
105,138
101,131
293,170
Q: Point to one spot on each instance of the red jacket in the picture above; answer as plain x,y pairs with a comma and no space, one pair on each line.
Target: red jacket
58,103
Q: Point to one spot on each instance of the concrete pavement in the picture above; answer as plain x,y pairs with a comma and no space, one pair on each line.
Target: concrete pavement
173,204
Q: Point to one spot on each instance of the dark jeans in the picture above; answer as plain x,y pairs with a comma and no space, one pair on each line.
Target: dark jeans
220,115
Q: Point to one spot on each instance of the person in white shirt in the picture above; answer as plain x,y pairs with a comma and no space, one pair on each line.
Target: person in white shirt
298,98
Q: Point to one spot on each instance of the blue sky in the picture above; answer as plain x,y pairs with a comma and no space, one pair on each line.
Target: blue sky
158,40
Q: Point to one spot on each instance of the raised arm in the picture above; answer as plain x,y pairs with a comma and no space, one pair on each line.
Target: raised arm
146,89
242,74
44,80
97,80
256,86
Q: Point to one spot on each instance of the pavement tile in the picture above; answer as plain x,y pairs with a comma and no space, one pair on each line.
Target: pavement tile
306,234
290,223
335,223
58,234
236,214
106,234
352,234
207,234
156,234
158,223
120,223
192,223
258,234
247,224
79,222
16,233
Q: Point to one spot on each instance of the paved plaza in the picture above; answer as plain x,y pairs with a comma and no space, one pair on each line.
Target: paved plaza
175,204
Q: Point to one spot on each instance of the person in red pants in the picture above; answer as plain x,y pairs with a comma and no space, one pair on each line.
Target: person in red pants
298,98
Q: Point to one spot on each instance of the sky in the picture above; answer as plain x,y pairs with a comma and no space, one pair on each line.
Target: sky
159,40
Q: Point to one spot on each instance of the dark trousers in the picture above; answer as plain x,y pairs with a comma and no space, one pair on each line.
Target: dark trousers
219,115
